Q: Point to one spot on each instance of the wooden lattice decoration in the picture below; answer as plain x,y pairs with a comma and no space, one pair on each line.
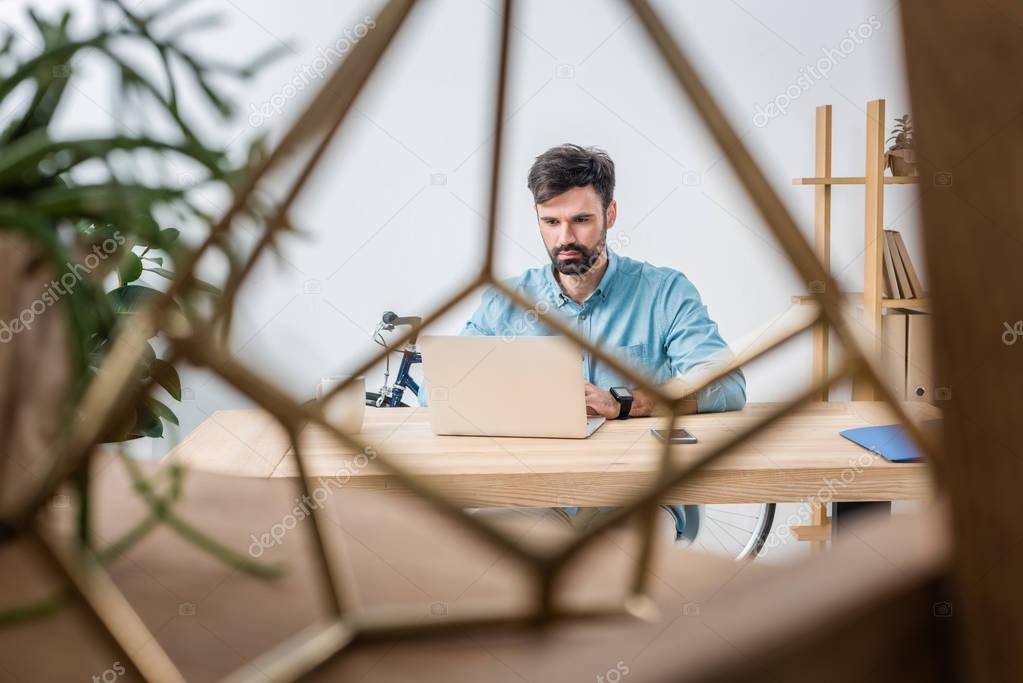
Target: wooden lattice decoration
196,340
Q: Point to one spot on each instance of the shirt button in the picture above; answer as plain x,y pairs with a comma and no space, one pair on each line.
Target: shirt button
582,317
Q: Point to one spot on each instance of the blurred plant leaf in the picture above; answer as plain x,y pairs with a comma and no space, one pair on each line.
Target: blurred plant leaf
162,272
160,410
130,298
147,421
35,156
168,237
199,284
130,268
207,287
166,375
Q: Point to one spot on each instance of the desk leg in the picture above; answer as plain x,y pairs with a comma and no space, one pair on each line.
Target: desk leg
843,513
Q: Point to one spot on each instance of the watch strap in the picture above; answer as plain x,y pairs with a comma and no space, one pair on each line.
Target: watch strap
624,403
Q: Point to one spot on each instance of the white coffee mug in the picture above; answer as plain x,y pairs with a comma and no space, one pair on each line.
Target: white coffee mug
347,408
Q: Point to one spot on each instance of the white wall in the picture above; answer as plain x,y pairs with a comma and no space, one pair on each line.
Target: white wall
384,236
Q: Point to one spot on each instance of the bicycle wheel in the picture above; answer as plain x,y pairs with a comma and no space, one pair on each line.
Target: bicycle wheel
738,531
372,397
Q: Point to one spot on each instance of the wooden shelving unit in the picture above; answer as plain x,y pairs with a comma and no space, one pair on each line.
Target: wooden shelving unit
857,297
856,180
871,298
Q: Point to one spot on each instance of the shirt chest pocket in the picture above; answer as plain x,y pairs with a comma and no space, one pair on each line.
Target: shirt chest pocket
638,356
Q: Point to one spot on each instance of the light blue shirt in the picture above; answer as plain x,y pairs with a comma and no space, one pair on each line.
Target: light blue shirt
648,316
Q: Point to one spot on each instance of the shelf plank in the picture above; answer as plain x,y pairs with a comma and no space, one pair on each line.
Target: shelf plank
856,180
822,237
857,298
873,238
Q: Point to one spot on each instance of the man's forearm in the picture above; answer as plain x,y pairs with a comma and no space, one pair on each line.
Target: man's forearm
727,393
644,405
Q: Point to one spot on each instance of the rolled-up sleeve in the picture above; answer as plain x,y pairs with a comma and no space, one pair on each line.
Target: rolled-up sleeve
694,346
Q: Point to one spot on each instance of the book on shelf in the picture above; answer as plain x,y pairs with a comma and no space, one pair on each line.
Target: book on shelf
890,287
914,279
899,275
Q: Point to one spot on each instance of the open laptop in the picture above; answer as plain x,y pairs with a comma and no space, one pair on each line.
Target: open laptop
494,386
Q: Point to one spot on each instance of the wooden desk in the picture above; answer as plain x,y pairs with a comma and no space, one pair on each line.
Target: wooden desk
800,458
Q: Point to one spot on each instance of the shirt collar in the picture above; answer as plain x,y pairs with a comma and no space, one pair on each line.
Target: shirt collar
558,297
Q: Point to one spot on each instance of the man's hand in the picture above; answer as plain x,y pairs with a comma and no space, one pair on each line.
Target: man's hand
600,402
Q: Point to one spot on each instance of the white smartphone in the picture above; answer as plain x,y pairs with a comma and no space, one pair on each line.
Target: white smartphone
675,436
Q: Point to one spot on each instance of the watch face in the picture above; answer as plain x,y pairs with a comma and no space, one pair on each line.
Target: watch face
621,392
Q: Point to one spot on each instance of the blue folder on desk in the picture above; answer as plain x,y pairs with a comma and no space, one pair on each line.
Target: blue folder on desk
889,441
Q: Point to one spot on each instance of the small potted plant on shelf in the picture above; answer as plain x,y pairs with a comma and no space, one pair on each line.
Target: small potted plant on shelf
900,157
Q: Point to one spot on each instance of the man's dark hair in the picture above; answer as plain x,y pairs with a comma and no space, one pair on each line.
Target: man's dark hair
561,168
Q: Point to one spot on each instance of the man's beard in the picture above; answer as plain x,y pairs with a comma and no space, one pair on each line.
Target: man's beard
581,264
